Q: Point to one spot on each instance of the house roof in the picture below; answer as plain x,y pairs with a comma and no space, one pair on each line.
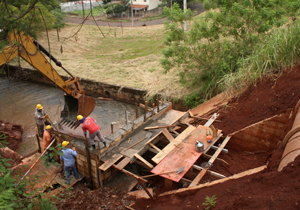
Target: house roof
138,6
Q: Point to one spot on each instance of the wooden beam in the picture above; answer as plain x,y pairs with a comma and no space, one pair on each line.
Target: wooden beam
203,172
212,143
211,120
203,118
157,127
123,163
131,174
142,164
210,172
168,184
193,190
146,190
143,160
165,151
110,162
155,147
185,179
135,143
219,159
153,150
168,135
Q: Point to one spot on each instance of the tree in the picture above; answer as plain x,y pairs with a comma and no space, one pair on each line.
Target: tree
29,16
218,40
118,8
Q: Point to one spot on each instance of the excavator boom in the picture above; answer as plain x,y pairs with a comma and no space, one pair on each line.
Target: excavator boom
76,102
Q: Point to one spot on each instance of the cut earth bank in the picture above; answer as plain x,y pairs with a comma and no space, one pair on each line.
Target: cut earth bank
268,189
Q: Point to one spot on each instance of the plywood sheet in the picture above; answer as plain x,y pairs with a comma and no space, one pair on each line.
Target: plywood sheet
157,158
183,155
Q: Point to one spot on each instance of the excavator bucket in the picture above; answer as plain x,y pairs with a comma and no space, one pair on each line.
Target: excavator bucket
84,106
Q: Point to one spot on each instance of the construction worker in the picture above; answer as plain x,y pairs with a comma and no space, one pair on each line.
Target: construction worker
94,130
69,160
40,119
47,136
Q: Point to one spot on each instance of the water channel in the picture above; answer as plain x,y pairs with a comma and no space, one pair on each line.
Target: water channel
18,100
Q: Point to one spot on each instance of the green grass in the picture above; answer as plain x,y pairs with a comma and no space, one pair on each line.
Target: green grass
278,53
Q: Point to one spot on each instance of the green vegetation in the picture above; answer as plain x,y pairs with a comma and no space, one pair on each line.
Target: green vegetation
210,202
14,196
97,11
228,41
30,17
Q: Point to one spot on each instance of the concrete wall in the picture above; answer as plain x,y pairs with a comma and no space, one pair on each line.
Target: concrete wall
92,88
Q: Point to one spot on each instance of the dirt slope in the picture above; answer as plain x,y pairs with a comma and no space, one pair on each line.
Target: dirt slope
266,190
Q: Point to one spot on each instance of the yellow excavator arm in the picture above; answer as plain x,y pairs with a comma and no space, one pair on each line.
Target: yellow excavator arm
31,51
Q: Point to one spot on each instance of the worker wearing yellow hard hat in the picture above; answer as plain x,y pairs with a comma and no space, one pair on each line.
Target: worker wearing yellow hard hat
89,124
40,118
47,137
69,160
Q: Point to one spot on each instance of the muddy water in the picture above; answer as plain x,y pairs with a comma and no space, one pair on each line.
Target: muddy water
18,100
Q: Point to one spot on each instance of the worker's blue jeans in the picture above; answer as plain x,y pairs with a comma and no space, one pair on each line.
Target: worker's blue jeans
67,171
48,152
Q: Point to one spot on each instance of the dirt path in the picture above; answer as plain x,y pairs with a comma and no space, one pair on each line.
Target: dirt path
197,7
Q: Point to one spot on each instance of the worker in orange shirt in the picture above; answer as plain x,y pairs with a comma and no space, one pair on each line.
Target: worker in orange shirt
89,124
47,136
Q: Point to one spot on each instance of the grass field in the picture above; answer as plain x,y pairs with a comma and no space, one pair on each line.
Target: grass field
126,57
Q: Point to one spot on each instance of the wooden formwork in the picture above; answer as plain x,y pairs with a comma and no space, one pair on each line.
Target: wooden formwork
98,156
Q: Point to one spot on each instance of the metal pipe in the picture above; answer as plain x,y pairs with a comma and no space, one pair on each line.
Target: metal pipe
292,141
216,148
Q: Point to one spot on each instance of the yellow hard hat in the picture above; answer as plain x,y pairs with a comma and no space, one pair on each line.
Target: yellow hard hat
39,106
79,117
65,143
48,127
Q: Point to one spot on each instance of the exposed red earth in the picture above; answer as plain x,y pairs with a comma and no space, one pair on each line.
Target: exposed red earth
268,189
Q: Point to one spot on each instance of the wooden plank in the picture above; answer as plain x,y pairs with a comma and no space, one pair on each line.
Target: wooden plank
143,160
132,174
221,176
168,184
157,127
141,193
157,158
203,172
114,158
129,153
155,147
211,120
168,135
146,190
132,185
123,163
135,143
212,143
192,190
